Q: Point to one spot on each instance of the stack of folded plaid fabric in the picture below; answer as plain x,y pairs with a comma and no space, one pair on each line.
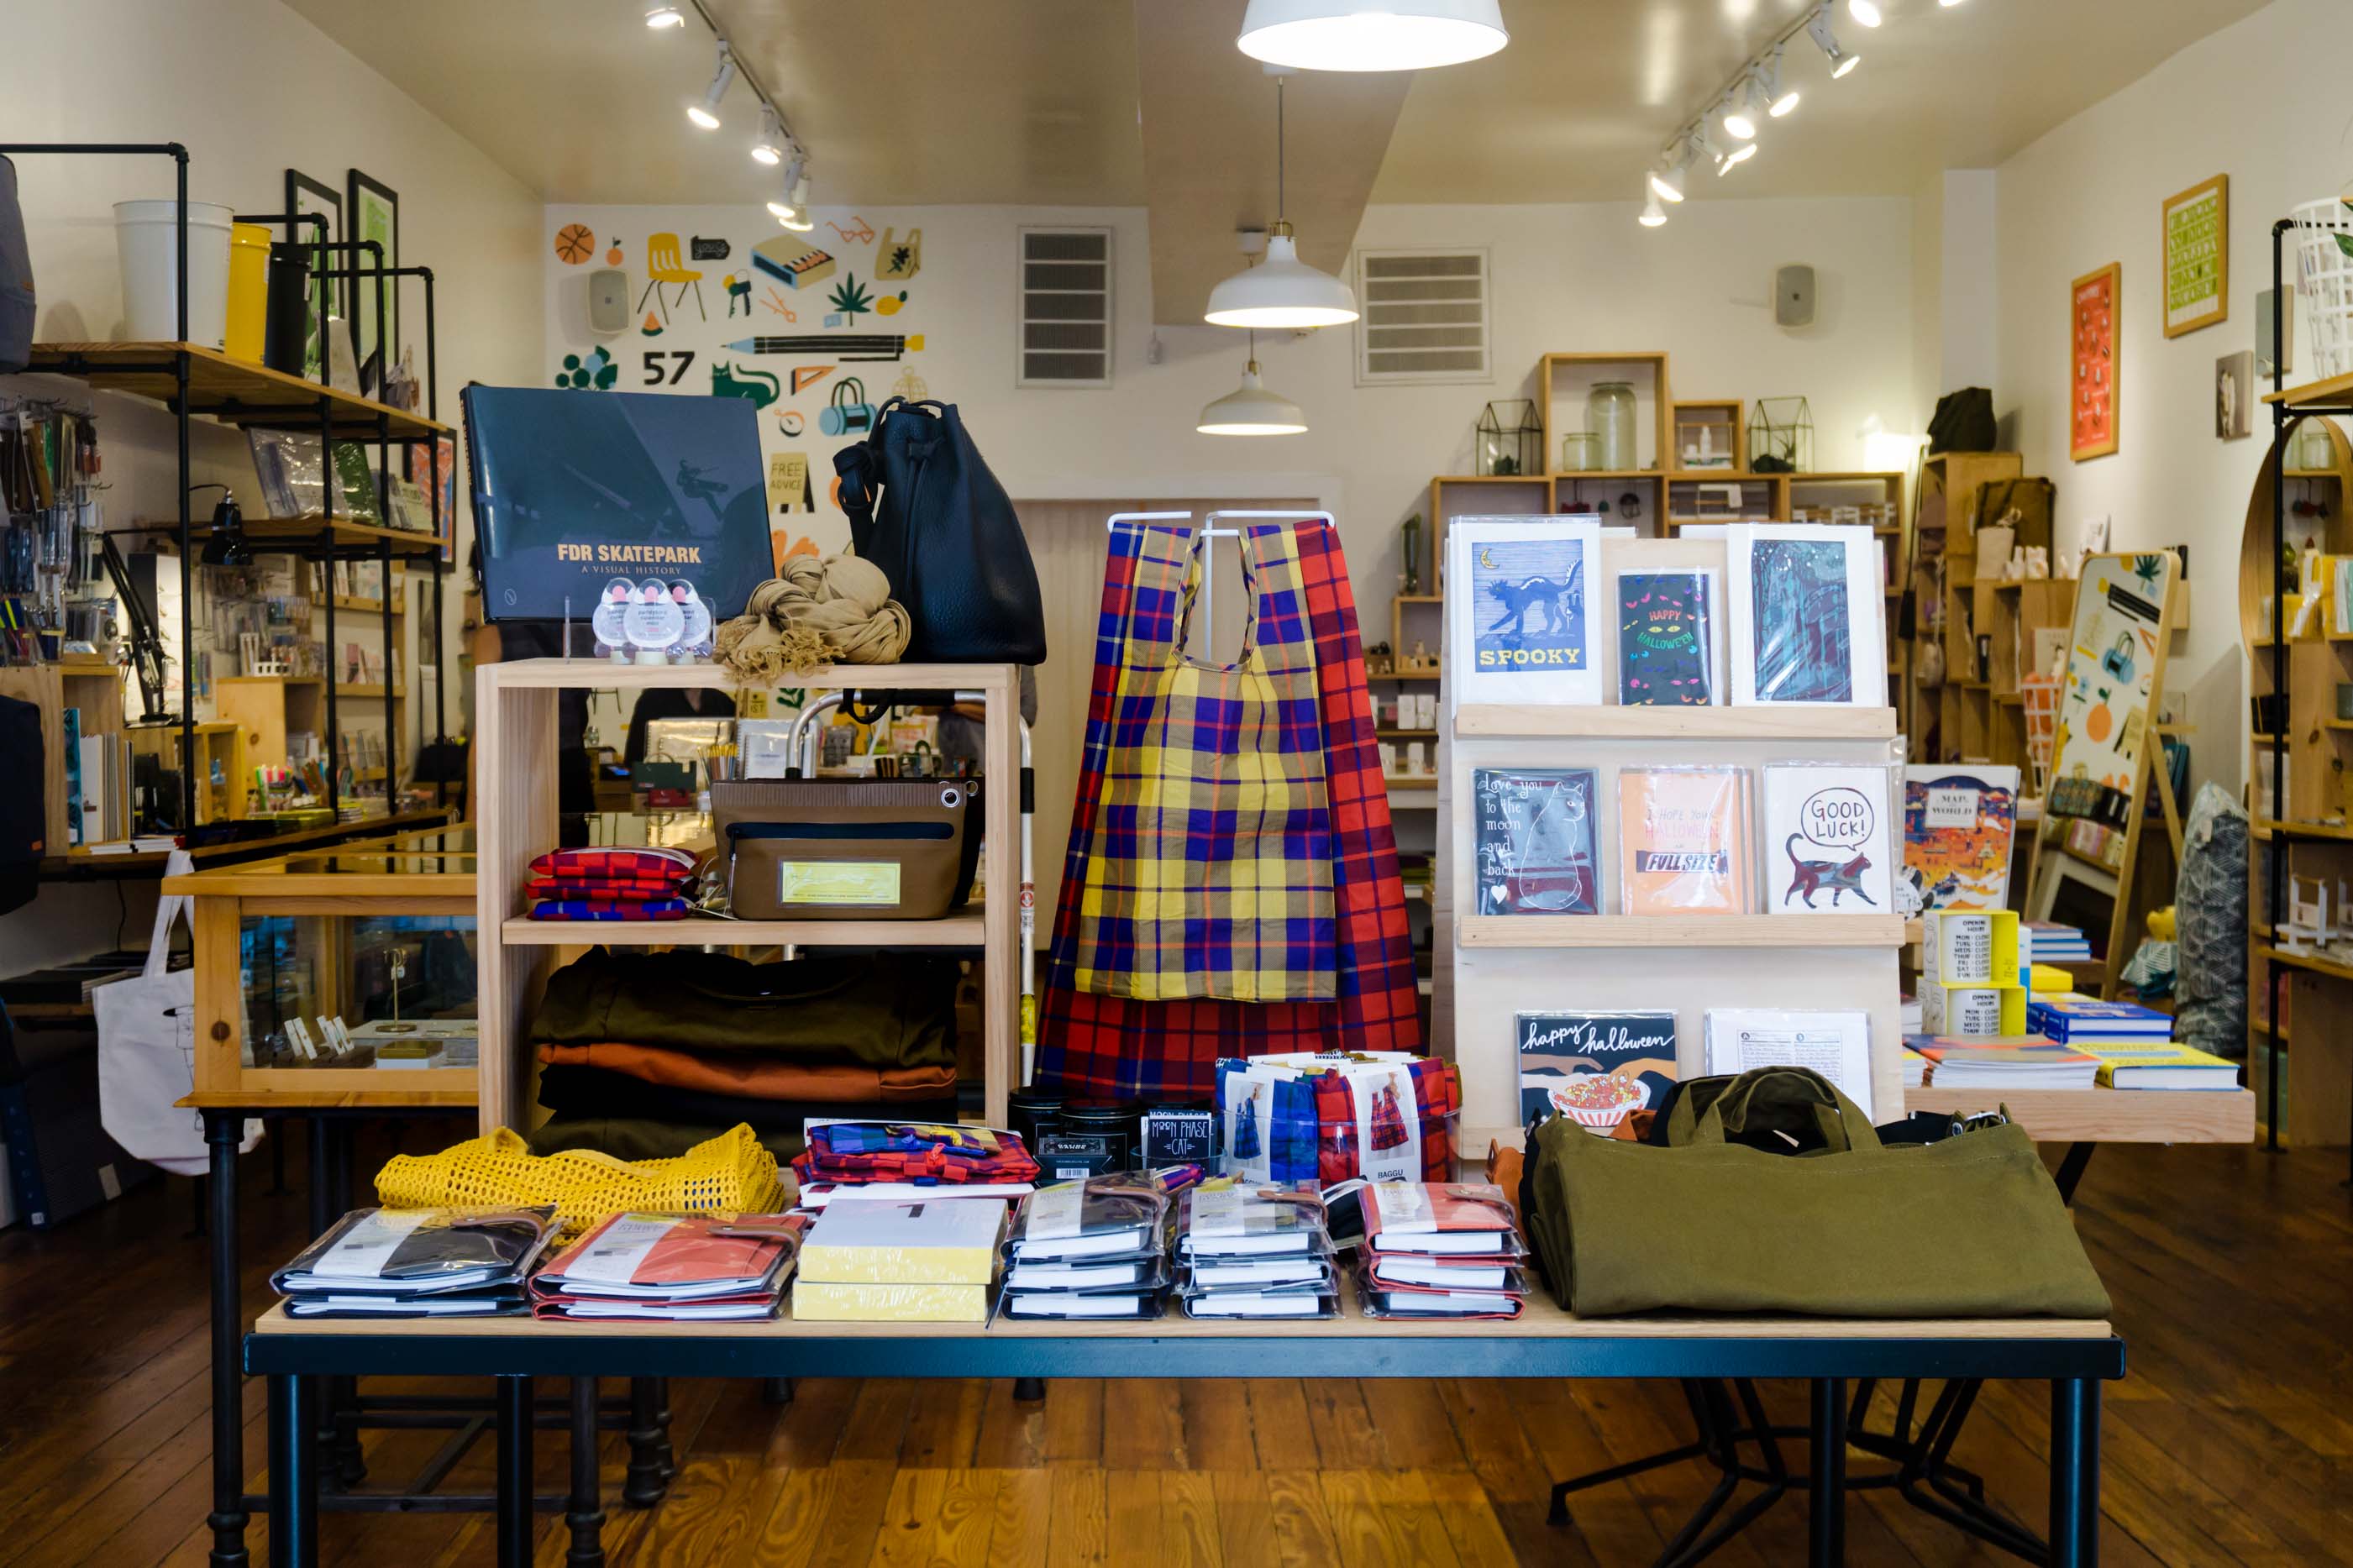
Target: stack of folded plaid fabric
636,883
924,1153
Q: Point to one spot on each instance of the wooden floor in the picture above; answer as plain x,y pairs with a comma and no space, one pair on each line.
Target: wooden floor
2231,1442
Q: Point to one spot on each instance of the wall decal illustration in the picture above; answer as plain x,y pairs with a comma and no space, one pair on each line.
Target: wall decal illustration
613,254
775,301
788,487
889,304
899,259
653,325
573,241
761,387
852,348
701,249
911,387
791,263
738,288
594,371
862,234
664,267
807,375
848,413
851,297
790,423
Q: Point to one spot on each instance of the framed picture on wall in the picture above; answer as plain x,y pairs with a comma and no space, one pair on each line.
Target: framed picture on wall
2092,355
2234,395
2196,231
375,215
305,196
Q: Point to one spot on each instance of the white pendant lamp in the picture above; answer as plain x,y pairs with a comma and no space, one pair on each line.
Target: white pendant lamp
1282,291
1251,410
1371,34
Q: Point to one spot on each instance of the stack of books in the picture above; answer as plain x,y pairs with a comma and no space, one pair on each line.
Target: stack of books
927,1262
2051,942
2076,1020
1262,1252
2155,1064
1439,1249
418,1263
673,1269
2003,1061
1096,1248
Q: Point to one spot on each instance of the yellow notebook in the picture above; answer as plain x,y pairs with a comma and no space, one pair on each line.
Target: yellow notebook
2048,979
814,1301
942,1241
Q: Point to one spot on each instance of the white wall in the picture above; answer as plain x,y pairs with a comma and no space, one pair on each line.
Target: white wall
1566,278
250,88
2263,102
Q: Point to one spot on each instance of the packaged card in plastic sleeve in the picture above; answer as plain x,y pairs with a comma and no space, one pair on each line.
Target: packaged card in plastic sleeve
1684,841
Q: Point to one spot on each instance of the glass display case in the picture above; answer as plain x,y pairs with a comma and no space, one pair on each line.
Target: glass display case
346,973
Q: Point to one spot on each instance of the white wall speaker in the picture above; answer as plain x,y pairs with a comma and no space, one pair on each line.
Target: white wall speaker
1793,296
608,301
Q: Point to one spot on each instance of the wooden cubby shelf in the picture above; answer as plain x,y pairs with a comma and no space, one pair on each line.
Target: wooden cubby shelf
1694,931
1500,720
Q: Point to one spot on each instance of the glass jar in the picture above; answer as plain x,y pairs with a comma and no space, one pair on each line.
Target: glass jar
1577,449
2313,449
1610,416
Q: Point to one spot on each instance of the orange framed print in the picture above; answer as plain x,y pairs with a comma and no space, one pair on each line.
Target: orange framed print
2093,315
2196,226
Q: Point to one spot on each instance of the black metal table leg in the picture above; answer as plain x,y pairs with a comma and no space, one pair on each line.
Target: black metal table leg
229,1518
2074,1472
1826,1496
642,1486
293,1475
776,1391
664,1455
1028,1388
515,1472
584,1515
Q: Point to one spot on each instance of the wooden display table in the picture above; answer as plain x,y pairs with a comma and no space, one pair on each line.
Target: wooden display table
1544,1341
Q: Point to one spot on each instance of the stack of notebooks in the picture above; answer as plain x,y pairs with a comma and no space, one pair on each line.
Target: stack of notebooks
1264,1252
2003,1061
418,1263
928,1262
1096,1248
1439,1249
673,1269
2158,1064
2076,1020
2051,942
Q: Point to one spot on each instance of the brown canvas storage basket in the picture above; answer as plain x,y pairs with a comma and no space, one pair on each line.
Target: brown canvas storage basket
807,849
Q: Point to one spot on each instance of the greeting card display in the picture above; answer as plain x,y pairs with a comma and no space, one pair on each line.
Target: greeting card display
1684,841
1826,842
1667,655
1806,606
1526,630
1536,839
1596,1069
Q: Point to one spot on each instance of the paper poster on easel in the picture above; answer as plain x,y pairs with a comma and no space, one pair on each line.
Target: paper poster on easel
2114,656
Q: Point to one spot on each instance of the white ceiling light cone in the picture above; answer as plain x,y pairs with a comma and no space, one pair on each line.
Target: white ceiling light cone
1667,183
1738,156
1253,410
1819,29
1777,102
1281,291
705,114
1653,215
768,146
1371,34
660,15
1865,12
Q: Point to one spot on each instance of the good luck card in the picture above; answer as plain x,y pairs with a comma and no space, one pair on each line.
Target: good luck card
1826,839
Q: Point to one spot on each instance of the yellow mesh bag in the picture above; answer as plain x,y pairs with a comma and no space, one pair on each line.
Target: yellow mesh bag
731,1174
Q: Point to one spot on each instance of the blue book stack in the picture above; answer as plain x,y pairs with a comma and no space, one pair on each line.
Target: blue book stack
2056,943
2070,1019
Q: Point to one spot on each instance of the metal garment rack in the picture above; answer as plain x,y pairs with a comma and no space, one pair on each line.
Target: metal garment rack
1209,577
2284,413
323,549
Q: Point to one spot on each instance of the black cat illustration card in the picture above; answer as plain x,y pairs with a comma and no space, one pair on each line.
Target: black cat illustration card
1826,846
1667,648
1527,624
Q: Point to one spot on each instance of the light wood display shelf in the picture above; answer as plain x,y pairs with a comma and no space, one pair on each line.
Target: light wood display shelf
1778,722
2336,391
1541,1318
233,390
1687,931
2106,1115
514,747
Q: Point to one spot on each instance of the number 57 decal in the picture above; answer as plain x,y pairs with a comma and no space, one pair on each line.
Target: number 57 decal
656,376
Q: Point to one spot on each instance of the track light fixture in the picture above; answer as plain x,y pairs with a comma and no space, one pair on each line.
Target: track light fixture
1818,27
768,146
1738,123
1667,180
1777,103
799,222
705,113
1865,12
1738,156
1653,215
661,16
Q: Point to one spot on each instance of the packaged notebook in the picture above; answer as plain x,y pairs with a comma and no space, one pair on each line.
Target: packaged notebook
1683,837
652,1265
1537,841
1666,646
1826,842
1238,1222
1439,1218
420,1252
1102,1217
1595,1068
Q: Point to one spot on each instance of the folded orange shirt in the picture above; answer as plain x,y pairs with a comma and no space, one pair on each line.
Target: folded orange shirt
754,1076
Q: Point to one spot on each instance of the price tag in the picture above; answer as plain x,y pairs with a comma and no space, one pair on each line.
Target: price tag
1219,1213
1054,1213
367,1247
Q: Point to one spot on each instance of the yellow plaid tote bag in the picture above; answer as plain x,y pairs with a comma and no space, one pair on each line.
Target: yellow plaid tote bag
1210,870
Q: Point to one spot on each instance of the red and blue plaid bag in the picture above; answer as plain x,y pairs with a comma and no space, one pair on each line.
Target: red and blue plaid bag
617,889
1117,1048
609,910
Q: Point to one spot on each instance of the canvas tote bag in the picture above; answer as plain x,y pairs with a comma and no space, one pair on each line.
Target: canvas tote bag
147,1051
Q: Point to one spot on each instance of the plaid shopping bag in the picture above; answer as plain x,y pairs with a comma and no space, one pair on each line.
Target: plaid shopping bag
1209,873
1112,1046
1311,1132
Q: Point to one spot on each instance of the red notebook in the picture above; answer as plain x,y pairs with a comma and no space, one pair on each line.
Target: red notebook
675,1258
1451,1218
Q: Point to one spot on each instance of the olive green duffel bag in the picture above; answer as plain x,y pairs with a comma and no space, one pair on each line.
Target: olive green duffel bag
1972,1227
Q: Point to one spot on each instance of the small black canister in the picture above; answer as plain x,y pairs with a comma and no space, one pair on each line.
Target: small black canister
1033,1113
1092,1138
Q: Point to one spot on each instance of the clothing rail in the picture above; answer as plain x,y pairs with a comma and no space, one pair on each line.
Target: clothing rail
1209,573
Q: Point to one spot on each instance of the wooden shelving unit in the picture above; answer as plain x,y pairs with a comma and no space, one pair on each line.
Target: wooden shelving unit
1945,723
233,391
514,749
